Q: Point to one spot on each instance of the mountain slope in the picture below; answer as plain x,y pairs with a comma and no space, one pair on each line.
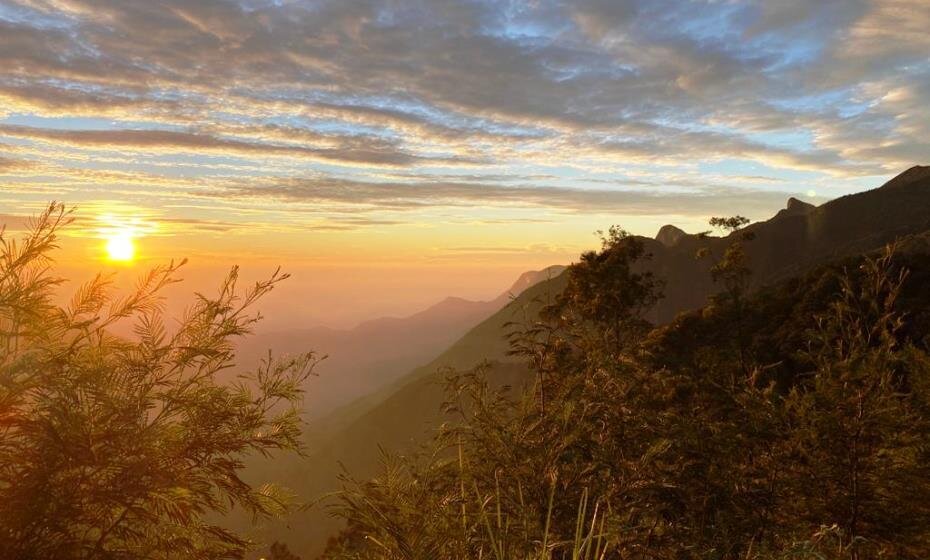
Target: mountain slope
797,238
791,243
351,437
362,360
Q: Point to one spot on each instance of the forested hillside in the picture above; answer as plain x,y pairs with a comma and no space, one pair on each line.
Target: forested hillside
796,240
792,422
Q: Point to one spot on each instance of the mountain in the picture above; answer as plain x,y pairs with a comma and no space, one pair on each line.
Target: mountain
691,417
351,438
362,360
670,235
529,279
794,241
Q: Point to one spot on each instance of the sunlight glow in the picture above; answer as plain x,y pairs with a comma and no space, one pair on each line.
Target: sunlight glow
120,247
121,227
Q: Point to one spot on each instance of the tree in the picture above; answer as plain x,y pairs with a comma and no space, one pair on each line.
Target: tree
609,290
599,314
732,270
114,447
859,423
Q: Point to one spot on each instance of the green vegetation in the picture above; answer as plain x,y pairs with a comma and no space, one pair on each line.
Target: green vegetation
117,447
805,438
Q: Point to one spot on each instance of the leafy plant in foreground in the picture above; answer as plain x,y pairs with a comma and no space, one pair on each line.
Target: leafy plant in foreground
114,447
686,448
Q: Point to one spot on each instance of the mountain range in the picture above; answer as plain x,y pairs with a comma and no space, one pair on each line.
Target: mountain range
362,360
797,239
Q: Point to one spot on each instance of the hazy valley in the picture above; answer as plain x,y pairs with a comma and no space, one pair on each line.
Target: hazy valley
464,280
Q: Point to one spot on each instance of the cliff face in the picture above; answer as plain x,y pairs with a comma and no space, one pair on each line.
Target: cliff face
796,207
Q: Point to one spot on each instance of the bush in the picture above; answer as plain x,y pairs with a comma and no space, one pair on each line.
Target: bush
122,447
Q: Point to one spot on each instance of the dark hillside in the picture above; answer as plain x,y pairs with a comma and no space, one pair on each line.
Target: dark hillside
778,319
792,243
798,238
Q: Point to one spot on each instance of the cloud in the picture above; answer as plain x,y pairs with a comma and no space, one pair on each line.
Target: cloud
11,165
376,103
415,196
373,152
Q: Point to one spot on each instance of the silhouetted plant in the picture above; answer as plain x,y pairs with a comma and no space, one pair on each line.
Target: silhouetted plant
859,422
114,447
610,290
732,270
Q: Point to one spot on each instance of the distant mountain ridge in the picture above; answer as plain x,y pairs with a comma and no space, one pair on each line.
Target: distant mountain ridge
371,355
529,279
797,239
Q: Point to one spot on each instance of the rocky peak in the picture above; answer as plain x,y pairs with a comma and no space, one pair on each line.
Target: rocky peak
670,235
796,206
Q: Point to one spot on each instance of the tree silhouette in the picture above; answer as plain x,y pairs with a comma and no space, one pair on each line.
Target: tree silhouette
114,447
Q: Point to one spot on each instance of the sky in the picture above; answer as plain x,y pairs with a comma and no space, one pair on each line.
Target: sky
389,153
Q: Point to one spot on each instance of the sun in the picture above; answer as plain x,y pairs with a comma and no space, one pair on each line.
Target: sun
121,246
120,227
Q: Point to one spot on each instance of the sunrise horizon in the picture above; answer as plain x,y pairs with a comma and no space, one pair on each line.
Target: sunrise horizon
127,242
464,279
284,135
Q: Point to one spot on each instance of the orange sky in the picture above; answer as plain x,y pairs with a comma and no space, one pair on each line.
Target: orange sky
391,154
337,278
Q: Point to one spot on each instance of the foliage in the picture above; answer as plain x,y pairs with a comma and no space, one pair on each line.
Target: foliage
860,422
609,291
598,314
122,447
733,272
663,443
